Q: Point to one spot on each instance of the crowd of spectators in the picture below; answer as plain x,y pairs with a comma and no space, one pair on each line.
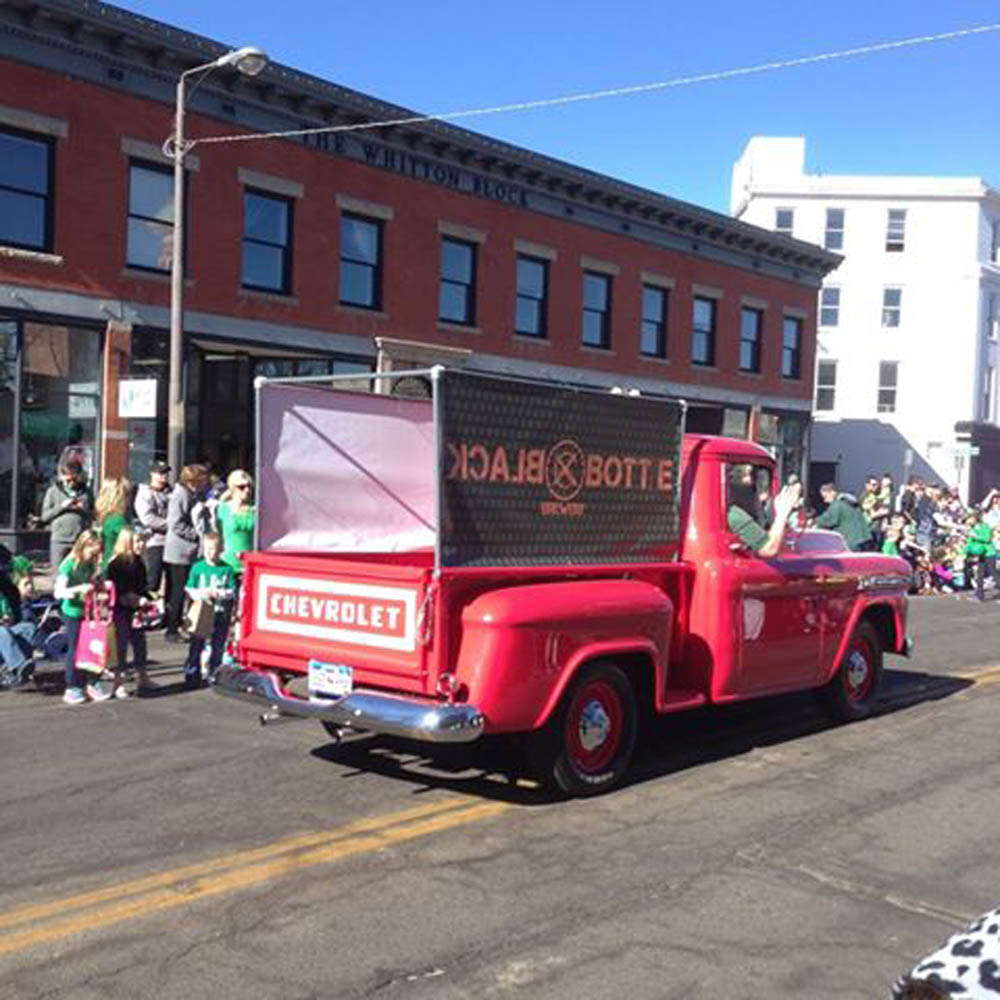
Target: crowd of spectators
147,555
951,546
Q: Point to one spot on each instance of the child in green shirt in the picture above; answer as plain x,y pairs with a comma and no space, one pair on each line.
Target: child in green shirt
75,580
213,580
980,547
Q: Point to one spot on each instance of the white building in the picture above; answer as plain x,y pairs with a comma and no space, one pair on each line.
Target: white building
906,378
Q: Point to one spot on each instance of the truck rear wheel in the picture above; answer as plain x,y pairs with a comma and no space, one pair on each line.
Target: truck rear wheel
587,746
854,689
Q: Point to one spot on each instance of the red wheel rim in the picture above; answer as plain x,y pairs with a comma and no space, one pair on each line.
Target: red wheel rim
594,726
859,671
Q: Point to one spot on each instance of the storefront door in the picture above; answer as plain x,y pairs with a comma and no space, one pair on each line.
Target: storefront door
50,410
220,416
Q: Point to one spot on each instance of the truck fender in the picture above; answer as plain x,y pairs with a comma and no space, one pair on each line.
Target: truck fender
888,621
522,645
607,650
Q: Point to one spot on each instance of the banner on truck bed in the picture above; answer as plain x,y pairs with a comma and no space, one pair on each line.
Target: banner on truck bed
344,471
537,474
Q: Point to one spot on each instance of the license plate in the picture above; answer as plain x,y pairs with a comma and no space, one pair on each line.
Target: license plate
330,680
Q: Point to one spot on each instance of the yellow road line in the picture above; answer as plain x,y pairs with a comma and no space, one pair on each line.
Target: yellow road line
981,678
231,872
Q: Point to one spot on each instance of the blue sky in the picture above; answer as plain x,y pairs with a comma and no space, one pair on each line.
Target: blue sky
925,110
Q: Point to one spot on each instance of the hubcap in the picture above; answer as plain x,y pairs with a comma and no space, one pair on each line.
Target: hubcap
857,669
858,674
595,725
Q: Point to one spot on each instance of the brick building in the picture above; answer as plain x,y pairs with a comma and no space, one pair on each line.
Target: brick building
338,253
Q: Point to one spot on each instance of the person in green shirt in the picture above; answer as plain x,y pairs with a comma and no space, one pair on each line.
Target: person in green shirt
236,517
843,514
75,579
979,546
890,544
210,579
18,630
110,509
744,514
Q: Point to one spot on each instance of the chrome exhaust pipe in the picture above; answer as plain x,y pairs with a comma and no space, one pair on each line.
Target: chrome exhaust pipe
272,717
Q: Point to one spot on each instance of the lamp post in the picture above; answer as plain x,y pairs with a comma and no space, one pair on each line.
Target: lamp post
249,61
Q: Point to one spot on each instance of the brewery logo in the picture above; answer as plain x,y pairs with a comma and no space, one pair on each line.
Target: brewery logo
564,469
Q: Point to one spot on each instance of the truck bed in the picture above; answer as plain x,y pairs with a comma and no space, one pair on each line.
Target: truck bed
385,615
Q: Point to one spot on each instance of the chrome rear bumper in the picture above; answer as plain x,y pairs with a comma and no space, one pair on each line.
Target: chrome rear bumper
371,711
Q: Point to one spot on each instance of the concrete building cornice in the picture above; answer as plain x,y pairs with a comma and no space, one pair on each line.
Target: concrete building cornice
970,189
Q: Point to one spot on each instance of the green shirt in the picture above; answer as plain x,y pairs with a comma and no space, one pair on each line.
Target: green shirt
980,541
220,576
847,518
237,532
6,611
76,574
742,524
890,548
111,528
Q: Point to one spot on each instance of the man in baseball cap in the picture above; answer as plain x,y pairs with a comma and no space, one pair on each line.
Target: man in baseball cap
151,501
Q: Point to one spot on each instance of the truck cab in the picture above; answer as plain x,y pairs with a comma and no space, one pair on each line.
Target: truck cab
766,625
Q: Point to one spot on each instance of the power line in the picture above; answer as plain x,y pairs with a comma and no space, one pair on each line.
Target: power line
595,95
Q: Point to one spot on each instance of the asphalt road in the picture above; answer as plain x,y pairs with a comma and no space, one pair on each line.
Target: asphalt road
171,848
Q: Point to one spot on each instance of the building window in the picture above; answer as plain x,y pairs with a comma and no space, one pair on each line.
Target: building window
895,234
826,385
829,307
267,242
596,310
150,237
888,376
457,294
360,262
791,347
25,191
988,384
653,338
60,401
995,241
532,297
784,220
703,332
992,319
834,237
751,324
892,306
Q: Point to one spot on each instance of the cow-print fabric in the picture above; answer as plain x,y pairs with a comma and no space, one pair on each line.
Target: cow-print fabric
965,967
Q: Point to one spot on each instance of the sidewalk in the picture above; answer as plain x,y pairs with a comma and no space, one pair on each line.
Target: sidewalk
166,669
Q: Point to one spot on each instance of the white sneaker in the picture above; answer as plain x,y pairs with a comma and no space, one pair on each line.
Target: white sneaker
121,693
74,696
98,692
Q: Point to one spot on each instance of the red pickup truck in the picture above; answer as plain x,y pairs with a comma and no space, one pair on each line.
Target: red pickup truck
521,558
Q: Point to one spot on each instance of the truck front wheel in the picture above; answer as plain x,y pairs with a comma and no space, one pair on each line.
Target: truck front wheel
587,746
853,691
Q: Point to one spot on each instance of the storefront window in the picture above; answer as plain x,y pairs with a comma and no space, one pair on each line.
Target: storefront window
60,404
147,436
791,448
8,406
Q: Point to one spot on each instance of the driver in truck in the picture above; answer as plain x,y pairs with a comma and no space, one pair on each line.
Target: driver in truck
745,517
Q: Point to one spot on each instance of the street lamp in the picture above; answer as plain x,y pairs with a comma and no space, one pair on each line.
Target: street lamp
249,61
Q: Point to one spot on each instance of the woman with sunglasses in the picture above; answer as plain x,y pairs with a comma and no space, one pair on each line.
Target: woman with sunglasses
236,517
